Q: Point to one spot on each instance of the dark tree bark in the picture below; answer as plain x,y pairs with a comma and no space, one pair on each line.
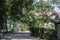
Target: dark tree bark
3,16
56,26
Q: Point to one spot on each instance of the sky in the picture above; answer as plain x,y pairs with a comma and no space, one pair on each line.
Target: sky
56,9
37,0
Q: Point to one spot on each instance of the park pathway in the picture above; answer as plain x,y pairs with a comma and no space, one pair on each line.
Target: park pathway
18,36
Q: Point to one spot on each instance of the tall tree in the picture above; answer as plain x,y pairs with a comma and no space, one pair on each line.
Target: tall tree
17,6
13,9
56,1
42,6
3,15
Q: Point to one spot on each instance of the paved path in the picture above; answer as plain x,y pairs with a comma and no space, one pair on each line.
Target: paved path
18,36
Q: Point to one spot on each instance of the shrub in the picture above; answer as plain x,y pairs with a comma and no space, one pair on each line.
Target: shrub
42,33
24,27
51,33
37,32
34,31
41,36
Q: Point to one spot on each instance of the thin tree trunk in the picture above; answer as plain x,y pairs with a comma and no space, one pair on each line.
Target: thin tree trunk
6,25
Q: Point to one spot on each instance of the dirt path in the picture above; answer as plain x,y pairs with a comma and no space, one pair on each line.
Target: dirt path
18,36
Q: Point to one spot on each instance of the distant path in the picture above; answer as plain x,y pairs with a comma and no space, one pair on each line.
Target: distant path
18,35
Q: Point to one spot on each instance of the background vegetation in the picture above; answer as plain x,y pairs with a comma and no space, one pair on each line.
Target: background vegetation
14,12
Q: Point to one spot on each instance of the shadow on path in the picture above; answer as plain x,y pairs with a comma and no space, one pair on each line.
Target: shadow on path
17,35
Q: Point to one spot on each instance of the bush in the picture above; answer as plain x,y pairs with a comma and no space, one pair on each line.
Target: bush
41,36
50,33
42,32
34,31
24,27
37,32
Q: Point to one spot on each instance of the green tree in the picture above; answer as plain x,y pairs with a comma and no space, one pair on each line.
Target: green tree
56,1
13,9
3,16
42,6
17,6
20,10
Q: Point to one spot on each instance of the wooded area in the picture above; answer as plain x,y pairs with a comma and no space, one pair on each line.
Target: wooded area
22,11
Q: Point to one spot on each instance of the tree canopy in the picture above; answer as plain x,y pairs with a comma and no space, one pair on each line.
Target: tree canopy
22,10
42,6
13,9
56,1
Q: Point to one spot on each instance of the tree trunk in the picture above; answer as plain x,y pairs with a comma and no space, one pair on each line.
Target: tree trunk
6,26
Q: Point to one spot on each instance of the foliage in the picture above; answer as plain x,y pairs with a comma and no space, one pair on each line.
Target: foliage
37,26
22,10
56,1
42,32
50,33
24,26
17,8
41,36
54,18
13,9
3,15
34,31
42,6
